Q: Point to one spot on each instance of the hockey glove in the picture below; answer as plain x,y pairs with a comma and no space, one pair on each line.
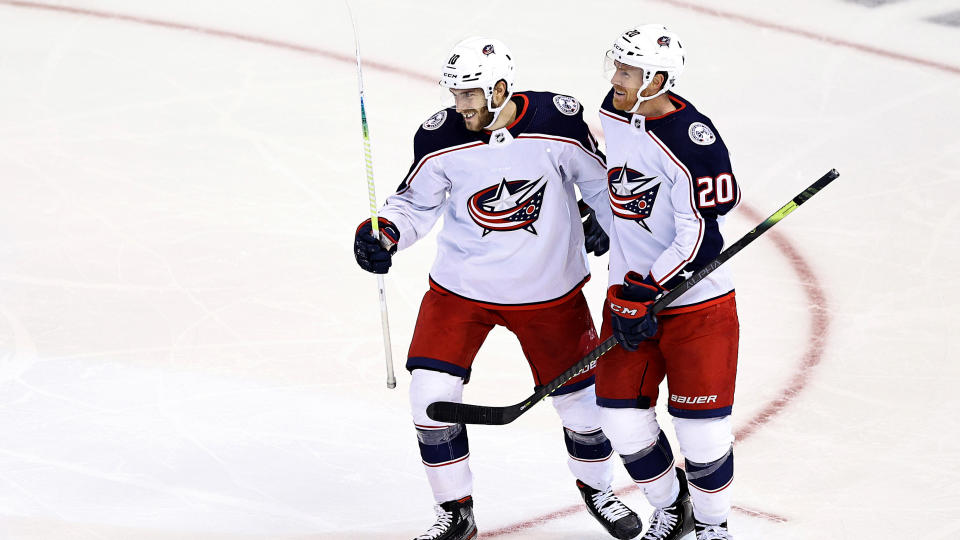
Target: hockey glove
594,239
374,254
630,305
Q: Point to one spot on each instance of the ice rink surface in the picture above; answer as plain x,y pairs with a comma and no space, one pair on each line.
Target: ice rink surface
189,351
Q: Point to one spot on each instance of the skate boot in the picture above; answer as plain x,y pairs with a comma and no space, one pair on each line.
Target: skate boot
620,521
713,532
674,522
454,521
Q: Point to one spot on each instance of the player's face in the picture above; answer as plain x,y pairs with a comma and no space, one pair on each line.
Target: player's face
626,81
471,103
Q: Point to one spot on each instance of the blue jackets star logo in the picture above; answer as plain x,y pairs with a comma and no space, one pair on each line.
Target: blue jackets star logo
631,195
508,206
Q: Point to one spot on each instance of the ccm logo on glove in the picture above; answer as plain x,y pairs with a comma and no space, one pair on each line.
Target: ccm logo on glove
632,313
630,309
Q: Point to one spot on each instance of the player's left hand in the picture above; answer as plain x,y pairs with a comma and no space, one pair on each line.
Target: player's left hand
594,239
373,254
630,305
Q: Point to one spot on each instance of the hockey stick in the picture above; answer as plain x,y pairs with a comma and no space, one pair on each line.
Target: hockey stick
465,413
374,223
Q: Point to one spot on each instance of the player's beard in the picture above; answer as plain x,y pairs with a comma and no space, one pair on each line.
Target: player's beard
624,102
481,118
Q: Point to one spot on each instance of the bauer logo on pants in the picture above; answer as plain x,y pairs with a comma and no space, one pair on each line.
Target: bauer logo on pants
693,400
508,206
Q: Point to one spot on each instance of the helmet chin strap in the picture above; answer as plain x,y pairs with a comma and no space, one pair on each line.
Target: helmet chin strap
641,99
496,111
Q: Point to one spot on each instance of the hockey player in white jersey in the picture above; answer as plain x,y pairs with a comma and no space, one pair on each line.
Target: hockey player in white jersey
671,184
500,168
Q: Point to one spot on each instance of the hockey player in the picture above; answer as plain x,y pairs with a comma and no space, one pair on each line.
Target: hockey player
670,183
500,167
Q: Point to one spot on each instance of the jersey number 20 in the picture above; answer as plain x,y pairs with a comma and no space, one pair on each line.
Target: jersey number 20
713,192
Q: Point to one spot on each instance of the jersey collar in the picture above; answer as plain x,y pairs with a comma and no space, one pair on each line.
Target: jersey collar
654,121
520,123
639,121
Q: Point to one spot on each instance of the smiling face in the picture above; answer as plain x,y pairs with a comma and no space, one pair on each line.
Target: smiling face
627,81
471,103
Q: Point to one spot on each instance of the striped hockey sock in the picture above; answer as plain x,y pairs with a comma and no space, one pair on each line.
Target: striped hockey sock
709,483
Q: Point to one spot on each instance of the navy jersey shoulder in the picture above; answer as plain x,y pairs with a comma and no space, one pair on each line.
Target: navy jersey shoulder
538,112
555,114
544,113
688,134
444,129
693,139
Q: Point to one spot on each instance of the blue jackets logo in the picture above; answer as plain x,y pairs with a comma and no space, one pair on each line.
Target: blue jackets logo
508,206
631,195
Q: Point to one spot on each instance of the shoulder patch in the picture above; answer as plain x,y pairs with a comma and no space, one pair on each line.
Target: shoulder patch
701,134
436,120
566,104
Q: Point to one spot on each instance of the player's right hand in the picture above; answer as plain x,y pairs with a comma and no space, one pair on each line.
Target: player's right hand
595,240
630,305
374,254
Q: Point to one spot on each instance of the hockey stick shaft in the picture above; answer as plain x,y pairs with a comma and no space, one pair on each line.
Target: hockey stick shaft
374,222
465,413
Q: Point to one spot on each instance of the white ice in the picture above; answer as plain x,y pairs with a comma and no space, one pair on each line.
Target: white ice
188,350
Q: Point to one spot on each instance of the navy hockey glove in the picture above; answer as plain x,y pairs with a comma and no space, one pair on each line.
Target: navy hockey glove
630,305
373,254
594,239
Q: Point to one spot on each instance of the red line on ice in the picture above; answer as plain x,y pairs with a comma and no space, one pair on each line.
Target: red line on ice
760,23
340,57
819,314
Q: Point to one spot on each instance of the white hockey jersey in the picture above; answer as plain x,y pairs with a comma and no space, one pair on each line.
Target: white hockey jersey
671,183
512,234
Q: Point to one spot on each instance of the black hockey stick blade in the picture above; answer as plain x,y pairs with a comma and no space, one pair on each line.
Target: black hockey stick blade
465,413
